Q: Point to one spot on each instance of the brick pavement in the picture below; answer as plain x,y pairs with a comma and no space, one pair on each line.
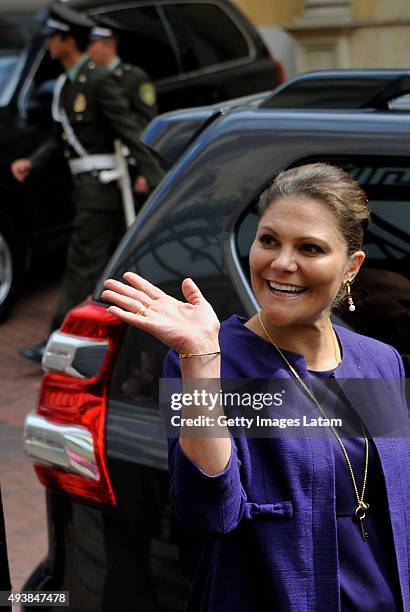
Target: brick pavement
23,496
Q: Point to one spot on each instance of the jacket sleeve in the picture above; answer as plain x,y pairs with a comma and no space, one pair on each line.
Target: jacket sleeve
401,376
143,95
115,108
208,504
42,155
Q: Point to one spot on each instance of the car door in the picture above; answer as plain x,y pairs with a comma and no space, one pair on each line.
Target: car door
48,189
191,61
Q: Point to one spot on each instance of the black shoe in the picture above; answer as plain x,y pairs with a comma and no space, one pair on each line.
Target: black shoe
35,353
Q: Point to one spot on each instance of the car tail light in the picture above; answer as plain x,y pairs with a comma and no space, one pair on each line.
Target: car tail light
280,69
65,435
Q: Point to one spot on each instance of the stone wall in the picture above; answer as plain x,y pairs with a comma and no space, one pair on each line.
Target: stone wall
325,34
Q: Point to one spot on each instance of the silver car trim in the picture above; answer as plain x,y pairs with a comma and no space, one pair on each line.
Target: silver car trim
28,83
6,268
62,446
76,356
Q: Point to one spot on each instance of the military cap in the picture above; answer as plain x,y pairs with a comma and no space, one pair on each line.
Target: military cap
101,33
63,20
105,28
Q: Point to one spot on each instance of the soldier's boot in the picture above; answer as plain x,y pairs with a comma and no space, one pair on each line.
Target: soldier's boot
35,353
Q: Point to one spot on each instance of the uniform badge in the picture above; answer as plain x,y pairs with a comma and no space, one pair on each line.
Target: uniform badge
80,103
82,78
147,93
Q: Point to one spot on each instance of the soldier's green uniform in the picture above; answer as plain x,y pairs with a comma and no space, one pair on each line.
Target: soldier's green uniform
98,112
138,86
142,97
139,89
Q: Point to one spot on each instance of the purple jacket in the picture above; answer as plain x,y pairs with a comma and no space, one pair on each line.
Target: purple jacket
270,518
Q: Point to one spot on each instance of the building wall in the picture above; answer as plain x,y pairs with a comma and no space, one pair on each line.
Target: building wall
271,12
378,10
324,34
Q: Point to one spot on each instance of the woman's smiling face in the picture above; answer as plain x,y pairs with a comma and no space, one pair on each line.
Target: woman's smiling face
299,260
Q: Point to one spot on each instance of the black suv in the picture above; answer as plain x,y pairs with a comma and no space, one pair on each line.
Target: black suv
197,52
96,437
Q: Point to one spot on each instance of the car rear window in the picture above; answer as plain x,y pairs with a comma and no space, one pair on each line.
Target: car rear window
144,41
205,35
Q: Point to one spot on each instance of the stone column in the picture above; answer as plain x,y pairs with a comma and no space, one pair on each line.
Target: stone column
321,35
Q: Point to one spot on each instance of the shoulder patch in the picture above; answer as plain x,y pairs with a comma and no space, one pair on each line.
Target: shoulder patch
91,65
118,72
126,66
147,93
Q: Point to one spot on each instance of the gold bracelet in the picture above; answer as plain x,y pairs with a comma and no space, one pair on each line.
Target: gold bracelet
187,355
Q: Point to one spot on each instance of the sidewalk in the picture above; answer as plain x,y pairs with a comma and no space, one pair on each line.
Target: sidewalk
23,496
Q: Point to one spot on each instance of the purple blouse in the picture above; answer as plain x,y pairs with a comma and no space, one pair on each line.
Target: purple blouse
277,522
367,570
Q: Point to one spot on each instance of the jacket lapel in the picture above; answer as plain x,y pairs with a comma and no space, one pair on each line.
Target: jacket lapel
371,400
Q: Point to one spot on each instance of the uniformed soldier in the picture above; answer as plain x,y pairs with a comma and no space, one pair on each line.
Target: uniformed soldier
90,112
140,90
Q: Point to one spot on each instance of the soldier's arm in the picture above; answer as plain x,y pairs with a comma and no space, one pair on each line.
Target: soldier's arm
142,94
115,108
42,155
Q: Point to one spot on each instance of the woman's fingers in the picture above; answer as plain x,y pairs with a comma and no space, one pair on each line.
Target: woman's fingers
129,317
191,292
140,283
123,289
123,301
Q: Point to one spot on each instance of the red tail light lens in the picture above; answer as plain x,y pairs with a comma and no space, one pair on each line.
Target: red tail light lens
82,403
281,71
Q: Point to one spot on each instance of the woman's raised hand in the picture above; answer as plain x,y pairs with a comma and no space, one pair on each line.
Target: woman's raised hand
187,327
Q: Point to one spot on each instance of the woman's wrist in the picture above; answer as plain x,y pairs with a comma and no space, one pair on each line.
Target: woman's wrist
206,354
201,347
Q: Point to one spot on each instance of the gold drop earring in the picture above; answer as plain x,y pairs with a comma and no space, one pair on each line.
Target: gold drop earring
346,286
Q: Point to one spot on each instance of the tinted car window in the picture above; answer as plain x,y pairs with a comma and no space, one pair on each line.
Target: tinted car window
47,71
8,64
165,257
382,289
205,35
15,33
40,91
144,41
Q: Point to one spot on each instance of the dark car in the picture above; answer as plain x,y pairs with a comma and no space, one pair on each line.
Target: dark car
197,52
96,436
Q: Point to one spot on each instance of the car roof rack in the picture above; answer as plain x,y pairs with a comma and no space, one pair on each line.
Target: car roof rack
341,90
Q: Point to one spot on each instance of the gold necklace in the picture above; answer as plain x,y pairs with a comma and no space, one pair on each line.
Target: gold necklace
362,507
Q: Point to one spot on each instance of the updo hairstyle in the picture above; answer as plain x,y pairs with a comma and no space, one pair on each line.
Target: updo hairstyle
330,185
